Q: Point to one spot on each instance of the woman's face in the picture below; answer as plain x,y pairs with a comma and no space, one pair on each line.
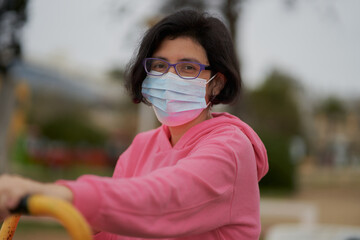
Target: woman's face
184,49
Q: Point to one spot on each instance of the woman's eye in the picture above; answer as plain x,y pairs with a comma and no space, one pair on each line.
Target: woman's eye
188,67
158,66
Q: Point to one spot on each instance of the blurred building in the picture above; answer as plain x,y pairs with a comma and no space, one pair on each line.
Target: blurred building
337,138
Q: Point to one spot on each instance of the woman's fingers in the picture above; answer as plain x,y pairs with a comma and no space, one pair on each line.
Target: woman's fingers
4,212
12,189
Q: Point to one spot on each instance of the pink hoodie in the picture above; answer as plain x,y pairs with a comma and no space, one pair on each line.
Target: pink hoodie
203,188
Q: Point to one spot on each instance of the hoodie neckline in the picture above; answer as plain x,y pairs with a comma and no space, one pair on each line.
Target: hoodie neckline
165,132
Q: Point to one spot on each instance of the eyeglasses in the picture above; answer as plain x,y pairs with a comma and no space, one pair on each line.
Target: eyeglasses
185,70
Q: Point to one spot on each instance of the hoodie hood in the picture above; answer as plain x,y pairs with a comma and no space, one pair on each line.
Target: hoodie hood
258,146
226,119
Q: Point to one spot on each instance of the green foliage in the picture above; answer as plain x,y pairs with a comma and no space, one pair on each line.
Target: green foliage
274,105
18,150
274,114
174,5
281,172
72,129
116,74
332,108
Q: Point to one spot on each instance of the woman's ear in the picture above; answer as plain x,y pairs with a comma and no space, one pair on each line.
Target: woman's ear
218,84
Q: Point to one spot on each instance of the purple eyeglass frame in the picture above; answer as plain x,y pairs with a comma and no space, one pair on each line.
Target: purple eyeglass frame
202,67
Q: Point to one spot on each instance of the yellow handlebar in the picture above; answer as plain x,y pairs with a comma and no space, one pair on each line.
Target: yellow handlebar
9,226
38,205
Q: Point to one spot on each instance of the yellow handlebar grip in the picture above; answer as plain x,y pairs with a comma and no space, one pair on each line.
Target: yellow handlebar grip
39,205
70,218
9,226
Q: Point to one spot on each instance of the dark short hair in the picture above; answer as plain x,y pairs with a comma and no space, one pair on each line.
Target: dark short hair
209,32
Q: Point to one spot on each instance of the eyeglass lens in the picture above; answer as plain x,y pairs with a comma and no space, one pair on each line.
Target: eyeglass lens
184,69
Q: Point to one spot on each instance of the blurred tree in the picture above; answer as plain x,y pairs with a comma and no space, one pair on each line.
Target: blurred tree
73,130
70,122
116,74
232,10
12,18
333,108
174,5
273,112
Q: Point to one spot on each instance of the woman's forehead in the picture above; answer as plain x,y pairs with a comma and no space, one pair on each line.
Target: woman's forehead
181,49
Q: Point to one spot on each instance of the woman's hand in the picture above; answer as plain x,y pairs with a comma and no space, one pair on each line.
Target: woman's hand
13,188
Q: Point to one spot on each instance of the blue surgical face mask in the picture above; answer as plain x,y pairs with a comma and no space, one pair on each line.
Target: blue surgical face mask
175,101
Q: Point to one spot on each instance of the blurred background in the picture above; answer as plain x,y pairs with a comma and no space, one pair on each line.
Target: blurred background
64,111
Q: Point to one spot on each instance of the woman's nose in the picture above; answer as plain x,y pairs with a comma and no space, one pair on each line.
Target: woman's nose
172,69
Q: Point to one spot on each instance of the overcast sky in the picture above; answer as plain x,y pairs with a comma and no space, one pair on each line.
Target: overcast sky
315,41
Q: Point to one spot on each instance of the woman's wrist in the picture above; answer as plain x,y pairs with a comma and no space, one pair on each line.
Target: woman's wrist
58,191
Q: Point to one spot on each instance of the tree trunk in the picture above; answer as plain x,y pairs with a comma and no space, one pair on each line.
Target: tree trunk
7,102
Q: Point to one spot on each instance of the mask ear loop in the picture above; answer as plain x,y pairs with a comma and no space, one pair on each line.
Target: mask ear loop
211,79
210,103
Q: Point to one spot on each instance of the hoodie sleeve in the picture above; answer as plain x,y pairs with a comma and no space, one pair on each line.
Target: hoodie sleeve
191,197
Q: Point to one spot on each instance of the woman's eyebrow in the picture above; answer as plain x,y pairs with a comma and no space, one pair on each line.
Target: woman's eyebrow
189,60
180,60
163,58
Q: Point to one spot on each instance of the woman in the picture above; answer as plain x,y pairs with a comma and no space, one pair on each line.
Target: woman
196,176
